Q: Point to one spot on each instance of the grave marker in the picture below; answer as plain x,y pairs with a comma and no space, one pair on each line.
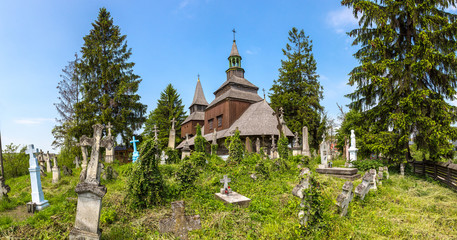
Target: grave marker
37,192
343,200
362,189
76,162
179,224
109,153
135,154
305,145
172,138
55,171
230,197
352,150
374,180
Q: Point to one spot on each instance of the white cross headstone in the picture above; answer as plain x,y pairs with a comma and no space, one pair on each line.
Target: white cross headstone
35,179
226,189
352,150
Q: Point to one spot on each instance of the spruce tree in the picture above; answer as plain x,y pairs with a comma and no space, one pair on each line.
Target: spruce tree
406,77
169,106
298,90
109,85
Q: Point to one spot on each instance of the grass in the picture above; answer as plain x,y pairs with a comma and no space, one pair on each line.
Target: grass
402,208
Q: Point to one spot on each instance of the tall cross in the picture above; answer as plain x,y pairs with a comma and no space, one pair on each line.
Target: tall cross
234,34
134,141
155,131
32,151
173,123
198,76
109,128
225,181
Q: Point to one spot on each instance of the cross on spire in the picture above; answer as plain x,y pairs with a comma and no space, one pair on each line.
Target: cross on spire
234,34
263,89
198,77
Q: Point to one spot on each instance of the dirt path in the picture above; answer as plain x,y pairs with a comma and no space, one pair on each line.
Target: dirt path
18,214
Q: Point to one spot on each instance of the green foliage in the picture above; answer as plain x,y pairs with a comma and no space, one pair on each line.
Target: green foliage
235,147
67,155
283,148
15,163
367,164
145,186
298,90
198,158
187,173
169,106
108,216
109,85
214,149
407,76
172,155
314,207
263,168
200,141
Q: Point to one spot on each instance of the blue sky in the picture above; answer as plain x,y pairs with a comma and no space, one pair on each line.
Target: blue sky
172,41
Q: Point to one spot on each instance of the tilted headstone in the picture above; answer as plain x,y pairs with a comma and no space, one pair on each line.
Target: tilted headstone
345,198
179,224
109,152
297,191
375,179
386,172
55,172
38,200
305,144
76,162
47,158
352,150
90,192
135,154
363,188
172,138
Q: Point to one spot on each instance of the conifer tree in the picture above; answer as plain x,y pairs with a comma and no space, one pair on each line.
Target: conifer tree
109,85
407,75
169,106
298,90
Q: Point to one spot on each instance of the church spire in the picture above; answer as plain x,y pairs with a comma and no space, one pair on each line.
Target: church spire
199,96
234,61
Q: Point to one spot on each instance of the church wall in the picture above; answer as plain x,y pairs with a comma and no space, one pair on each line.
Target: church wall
236,109
222,108
190,128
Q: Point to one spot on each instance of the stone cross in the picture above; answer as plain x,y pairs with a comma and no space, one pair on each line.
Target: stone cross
155,132
362,189
380,173
179,224
173,121
305,147
109,153
374,180
343,200
76,161
109,128
84,142
226,188
305,175
257,145
214,137
172,136
386,171
48,162
295,142
135,154
35,180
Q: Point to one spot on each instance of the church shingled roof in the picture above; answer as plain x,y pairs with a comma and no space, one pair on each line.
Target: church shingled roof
199,96
234,51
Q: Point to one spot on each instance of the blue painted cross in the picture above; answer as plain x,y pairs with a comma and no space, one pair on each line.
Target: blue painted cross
135,154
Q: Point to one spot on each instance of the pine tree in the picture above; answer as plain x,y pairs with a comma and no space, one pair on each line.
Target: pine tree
298,90
169,106
109,85
407,73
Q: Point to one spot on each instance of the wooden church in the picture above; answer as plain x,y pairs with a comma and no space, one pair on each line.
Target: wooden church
236,106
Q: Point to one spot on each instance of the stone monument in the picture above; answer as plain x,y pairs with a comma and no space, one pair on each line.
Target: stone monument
273,151
257,145
109,153
305,144
38,202
135,154
374,180
386,172
179,224
402,169
4,189
352,150
55,171
185,151
323,152
362,189
297,191
76,162
172,138
47,158
296,149
89,190
230,197
343,200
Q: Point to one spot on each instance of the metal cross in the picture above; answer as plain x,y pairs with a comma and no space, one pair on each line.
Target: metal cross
263,89
134,141
225,181
234,34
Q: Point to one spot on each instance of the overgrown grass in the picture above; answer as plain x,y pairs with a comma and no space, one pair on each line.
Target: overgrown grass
403,207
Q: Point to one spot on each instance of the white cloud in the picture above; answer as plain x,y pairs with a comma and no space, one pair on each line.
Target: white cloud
341,20
33,121
450,9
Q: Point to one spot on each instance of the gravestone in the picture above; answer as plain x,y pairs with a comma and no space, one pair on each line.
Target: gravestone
41,161
324,153
214,142
296,149
67,171
402,169
257,145
305,144
230,197
55,172
172,138
84,142
109,152
344,173
375,179
343,200
380,175
185,151
76,162
352,150
386,172
362,189
179,224
135,154
273,151
4,189
163,158
248,144
297,191
47,158
38,200
89,190
110,173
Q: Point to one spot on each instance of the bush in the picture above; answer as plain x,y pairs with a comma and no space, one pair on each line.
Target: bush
15,164
235,147
283,148
364,165
198,158
187,173
172,155
200,141
145,185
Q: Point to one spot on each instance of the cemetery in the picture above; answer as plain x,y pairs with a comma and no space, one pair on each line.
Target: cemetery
247,164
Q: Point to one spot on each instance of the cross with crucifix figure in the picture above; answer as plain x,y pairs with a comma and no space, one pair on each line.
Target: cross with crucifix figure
179,223
155,132
173,124
135,154
226,190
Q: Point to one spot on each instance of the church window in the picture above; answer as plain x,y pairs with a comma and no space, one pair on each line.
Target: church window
210,122
219,120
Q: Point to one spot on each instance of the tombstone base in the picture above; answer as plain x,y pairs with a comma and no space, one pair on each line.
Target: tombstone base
185,153
78,234
234,198
296,151
344,173
41,205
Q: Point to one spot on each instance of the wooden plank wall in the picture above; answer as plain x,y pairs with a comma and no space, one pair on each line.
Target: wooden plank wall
440,171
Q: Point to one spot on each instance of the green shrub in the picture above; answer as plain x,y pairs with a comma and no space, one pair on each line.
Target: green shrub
108,216
364,165
145,185
214,149
15,163
200,141
198,158
172,155
263,168
235,147
314,204
283,148
187,173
